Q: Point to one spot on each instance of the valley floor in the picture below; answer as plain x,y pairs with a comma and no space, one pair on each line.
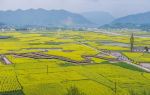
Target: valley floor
49,63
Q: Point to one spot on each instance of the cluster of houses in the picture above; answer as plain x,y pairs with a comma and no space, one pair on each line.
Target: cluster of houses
141,49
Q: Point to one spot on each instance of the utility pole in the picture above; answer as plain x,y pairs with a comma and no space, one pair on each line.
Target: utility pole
115,88
47,69
132,42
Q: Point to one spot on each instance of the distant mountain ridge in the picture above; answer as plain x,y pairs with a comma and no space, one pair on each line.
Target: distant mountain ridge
98,17
137,21
1,24
42,17
141,18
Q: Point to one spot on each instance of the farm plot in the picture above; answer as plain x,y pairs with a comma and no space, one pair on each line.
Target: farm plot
138,57
34,77
9,83
45,63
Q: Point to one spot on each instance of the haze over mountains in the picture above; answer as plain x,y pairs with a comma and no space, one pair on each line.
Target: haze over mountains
141,18
98,17
63,18
137,21
41,17
54,18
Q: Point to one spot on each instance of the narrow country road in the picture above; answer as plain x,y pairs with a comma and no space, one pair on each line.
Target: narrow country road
120,57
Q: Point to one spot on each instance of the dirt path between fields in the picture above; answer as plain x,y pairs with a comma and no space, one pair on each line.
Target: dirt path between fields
41,55
118,57
146,65
5,60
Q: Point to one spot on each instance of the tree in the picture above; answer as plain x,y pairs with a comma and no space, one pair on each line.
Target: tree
132,42
74,91
147,49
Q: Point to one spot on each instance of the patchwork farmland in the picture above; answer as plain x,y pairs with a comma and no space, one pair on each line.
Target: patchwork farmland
97,63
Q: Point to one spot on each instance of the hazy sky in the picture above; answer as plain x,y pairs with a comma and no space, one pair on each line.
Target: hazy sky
115,7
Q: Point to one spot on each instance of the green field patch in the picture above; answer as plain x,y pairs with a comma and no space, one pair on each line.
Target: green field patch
128,66
39,76
138,57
